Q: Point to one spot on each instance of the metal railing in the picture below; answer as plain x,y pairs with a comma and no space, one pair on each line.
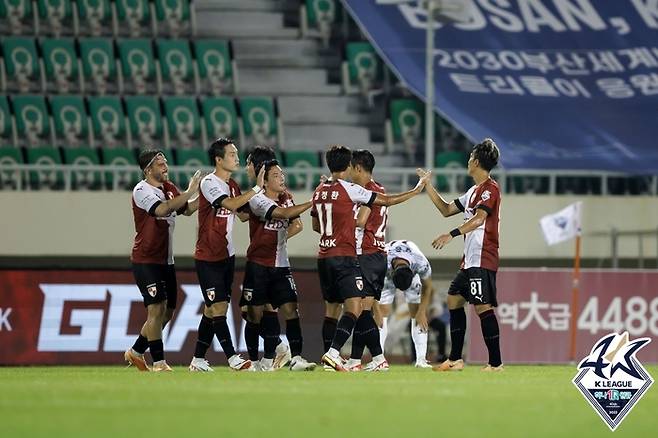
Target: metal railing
640,235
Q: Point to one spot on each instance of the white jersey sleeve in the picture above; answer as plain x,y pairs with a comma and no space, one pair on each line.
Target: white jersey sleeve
261,205
213,189
146,196
358,194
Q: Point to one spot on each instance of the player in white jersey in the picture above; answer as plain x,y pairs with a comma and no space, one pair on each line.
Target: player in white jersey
409,271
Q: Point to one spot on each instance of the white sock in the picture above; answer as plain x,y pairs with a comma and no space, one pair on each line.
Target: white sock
420,341
383,332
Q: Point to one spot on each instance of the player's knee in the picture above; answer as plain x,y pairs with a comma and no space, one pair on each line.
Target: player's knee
481,308
217,309
289,311
254,314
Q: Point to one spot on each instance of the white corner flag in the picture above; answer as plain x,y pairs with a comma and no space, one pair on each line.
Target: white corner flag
563,225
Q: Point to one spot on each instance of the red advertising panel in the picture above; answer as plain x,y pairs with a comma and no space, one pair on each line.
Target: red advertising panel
534,313
91,317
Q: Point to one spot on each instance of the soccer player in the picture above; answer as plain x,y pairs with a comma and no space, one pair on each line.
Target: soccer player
268,279
214,255
335,205
475,283
409,271
155,204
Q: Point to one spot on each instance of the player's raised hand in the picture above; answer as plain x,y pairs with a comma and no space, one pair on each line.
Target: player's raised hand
260,179
323,178
441,241
193,185
424,177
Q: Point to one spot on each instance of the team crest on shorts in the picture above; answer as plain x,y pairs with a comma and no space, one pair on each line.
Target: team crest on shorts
152,289
612,379
248,294
211,293
359,284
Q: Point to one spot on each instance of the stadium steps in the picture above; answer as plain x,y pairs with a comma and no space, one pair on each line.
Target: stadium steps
318,136
248,5
240,24
285,81
283,53
338,110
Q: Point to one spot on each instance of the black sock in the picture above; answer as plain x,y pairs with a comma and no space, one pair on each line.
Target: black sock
370,333
328,331
204,337
141,344
271,331
343,330
358,341
491,335
220,327
294,335
157,350
457,332
251,331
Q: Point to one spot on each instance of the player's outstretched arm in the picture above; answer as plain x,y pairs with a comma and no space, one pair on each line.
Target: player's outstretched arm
398,198
234,203
192,206
468,226
447,209
290,212
296,226
316,225
167,207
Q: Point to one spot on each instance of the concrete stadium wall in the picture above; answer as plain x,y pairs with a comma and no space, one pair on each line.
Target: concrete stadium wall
100,224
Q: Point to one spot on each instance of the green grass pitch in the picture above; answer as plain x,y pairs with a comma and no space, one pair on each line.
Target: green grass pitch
524,401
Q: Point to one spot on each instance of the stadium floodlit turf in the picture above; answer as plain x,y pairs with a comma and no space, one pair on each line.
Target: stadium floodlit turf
524,401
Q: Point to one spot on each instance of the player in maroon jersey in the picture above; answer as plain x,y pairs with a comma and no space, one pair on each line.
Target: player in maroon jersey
155,204
476,281
214,256
335,205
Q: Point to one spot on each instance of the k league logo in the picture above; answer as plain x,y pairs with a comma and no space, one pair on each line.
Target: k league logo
612,379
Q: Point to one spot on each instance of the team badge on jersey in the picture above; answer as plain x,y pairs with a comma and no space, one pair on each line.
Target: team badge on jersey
211,293
486,195
611,378
359,284
248,294
152,289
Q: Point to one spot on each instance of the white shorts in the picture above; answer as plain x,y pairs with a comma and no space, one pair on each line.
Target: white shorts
411,295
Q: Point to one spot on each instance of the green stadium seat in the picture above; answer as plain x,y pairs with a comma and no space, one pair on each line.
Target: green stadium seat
17,17
32,121
83,178
145,120
95,17
99,67
9,157
217,70
260,120
173,18
362,70
303,160
405,124
195,158
61,65
56,18
451,160
176,66
221,119
120,157
23,71
70,121
7,134
138,66
49,177
317,18
133,18
184,122
108,122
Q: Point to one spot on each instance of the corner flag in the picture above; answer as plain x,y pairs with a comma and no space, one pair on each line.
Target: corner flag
563,225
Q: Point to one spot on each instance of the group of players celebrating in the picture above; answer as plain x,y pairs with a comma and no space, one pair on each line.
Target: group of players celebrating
359,272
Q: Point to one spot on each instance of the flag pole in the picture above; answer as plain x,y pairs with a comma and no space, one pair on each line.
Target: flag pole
574,299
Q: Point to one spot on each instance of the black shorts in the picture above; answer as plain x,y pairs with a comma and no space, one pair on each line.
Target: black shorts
267,285
373,269
476,285
340,279
156,283
215,279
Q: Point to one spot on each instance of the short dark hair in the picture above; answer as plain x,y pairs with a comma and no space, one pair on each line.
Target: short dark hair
259,155
218,148
402,277
268,165
146,156
487,154
338,158
363,158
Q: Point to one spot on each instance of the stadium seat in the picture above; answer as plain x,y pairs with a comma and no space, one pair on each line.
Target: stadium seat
83,178
32,121
120,157
174,18
133,18
17,17
362,69
317,17
405,124
451,160
95,18
138,67
99,67
70,121
108,123
57,17
49,177
221,119
217,70
195,158
182,114
62,67
301,159
7,124
23,72
10,178
261,125
145,119
177,69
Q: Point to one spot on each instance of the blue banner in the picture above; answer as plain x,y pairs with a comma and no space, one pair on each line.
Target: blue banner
558,84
